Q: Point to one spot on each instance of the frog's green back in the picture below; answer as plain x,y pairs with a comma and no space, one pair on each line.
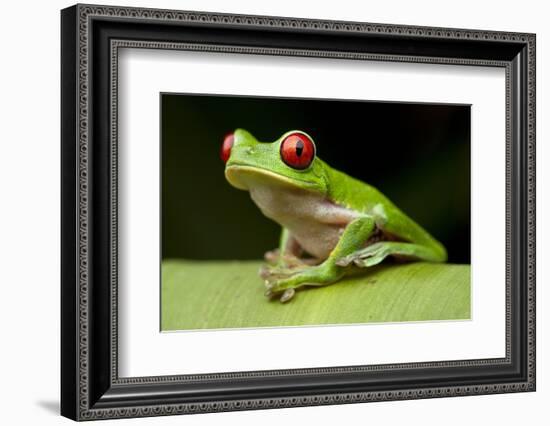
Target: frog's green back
353,193
362,197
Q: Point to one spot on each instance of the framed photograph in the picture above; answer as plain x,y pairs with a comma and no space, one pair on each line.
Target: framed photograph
263,212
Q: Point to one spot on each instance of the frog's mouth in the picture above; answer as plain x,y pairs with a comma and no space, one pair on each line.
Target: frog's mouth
242,176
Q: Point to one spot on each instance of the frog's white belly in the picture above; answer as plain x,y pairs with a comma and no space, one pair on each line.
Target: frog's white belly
315,222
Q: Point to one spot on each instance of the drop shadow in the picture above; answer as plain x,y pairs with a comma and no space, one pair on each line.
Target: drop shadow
51,406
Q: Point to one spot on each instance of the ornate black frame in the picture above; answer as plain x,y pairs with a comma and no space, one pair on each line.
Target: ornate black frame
91,37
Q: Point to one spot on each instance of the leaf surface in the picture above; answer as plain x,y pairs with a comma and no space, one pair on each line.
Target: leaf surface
229,294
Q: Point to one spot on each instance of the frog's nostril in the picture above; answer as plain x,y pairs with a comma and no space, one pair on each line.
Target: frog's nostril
227,144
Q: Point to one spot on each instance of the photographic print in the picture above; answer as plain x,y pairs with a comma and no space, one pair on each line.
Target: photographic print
280,212
359,195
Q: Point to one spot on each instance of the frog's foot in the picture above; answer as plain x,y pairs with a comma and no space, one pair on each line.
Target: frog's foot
377,252
284,285
369,256
272,273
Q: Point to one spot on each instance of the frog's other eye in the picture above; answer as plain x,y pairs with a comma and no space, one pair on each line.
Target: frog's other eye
297,151
227,144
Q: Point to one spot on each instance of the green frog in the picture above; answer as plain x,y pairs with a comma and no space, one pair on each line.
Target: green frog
332,224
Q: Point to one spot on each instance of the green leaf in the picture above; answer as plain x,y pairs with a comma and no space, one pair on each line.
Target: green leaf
222,294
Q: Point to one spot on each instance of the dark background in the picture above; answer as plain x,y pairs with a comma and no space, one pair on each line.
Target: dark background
416,154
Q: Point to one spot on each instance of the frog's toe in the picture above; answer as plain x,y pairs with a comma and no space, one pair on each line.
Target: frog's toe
346,261
366,257
283,296
268,272
271,284
287,295
264,271
370,260
354,258
274,281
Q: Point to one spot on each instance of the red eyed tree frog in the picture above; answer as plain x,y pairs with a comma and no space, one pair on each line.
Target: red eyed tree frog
332,224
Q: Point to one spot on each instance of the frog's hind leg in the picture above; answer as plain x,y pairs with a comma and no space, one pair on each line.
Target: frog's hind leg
404,238
377,252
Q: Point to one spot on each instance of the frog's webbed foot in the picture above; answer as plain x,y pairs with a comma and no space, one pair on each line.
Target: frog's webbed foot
377,252
273,291
273,273
281,268
286,295
283,283
369,256
273,276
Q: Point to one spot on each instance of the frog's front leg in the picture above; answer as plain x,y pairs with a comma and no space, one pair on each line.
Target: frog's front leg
354,236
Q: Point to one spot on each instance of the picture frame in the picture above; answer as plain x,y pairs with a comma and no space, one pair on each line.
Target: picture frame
91,387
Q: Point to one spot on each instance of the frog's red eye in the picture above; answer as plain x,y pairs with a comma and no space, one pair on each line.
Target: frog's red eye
227,144
297,151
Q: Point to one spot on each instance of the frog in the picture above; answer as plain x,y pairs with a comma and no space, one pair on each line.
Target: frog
332,224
